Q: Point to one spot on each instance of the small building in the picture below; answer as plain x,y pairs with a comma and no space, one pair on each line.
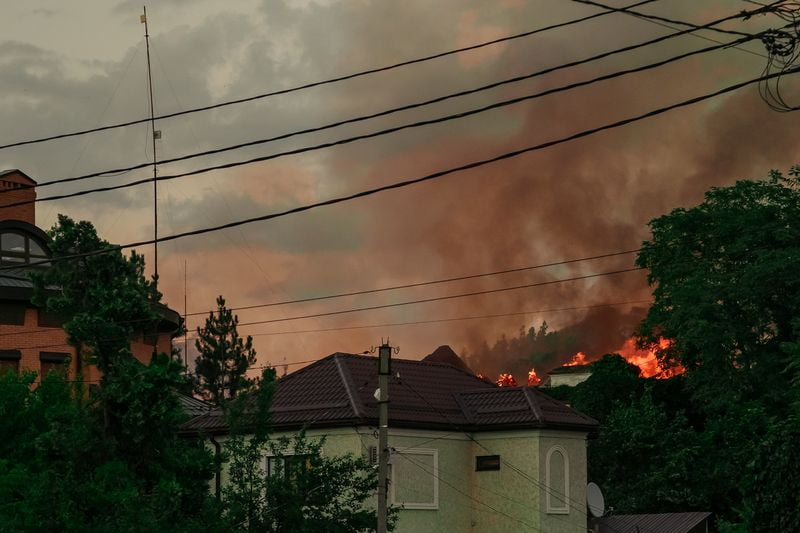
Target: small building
696,522
569,375
466,455
31,338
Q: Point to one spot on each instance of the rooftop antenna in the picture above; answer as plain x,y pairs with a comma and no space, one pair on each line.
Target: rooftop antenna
156,134
185,324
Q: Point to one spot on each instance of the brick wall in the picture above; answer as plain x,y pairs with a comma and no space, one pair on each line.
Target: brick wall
15,188
31,339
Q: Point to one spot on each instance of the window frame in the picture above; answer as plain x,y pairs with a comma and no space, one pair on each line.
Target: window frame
25,255
430,506
9,361
551,508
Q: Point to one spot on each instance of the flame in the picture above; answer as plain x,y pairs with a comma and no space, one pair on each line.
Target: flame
533,379
647,361
577,359
506,380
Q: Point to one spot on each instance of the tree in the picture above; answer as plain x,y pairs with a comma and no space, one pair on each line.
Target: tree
613,382
726,277
301,489
647,461
104,297
221,368
114,461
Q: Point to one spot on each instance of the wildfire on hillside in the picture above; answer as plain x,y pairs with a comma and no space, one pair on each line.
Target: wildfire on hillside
646,360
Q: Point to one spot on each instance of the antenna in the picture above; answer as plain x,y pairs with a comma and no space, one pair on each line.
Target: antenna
594,500
156,135
185,324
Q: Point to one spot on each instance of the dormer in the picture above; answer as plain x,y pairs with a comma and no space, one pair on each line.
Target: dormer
22,244
17,187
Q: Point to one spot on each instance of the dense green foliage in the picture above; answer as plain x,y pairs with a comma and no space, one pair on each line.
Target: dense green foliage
298,488
109,458
721,437
221,368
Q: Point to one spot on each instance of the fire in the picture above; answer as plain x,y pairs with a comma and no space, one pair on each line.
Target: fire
646,360
577,359
506,380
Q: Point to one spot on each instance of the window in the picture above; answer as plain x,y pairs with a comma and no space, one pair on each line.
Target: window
557,480
49,320
18,249
415,478
9,361
487,462
53,362
289,465
12,314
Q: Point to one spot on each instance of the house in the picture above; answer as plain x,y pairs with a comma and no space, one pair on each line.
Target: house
30,338
569,375
466,455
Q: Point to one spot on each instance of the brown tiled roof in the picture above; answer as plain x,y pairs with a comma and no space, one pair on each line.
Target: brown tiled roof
339,391
652,523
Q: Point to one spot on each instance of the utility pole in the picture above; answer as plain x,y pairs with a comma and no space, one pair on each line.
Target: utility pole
384,371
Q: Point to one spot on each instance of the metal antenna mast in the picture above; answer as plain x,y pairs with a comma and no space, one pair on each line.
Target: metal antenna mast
156,135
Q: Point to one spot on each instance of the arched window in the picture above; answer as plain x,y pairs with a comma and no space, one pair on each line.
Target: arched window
17,248
557,480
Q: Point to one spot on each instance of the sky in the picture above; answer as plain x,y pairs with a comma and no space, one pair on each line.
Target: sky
69,66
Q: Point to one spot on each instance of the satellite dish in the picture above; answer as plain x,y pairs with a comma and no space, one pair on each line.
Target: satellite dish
595,500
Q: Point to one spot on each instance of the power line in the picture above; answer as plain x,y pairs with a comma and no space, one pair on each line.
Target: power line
629,11
428,177
395,129
441,298
657,20
577,505
322,82
364,291
425,283
453,319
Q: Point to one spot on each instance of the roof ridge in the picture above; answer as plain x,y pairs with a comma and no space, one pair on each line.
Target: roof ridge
344,374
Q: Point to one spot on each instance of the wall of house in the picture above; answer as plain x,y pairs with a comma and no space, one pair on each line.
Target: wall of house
569,379
16,188
31,339
563,508
510,499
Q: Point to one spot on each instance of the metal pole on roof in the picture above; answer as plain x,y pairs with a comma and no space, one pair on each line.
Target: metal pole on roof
384,370
156,134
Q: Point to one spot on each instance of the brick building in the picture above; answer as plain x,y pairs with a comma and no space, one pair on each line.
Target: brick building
30,338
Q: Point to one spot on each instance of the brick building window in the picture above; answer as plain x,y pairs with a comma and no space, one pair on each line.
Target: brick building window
19,249
49,320
12,314
9,361
53,362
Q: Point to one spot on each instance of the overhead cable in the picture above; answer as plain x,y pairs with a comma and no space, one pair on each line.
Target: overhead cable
422,179
321,82
388,112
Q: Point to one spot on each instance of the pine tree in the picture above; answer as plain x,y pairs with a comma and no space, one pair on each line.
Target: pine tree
221,368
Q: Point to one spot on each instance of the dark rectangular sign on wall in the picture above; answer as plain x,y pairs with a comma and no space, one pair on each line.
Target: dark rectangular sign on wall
487,462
